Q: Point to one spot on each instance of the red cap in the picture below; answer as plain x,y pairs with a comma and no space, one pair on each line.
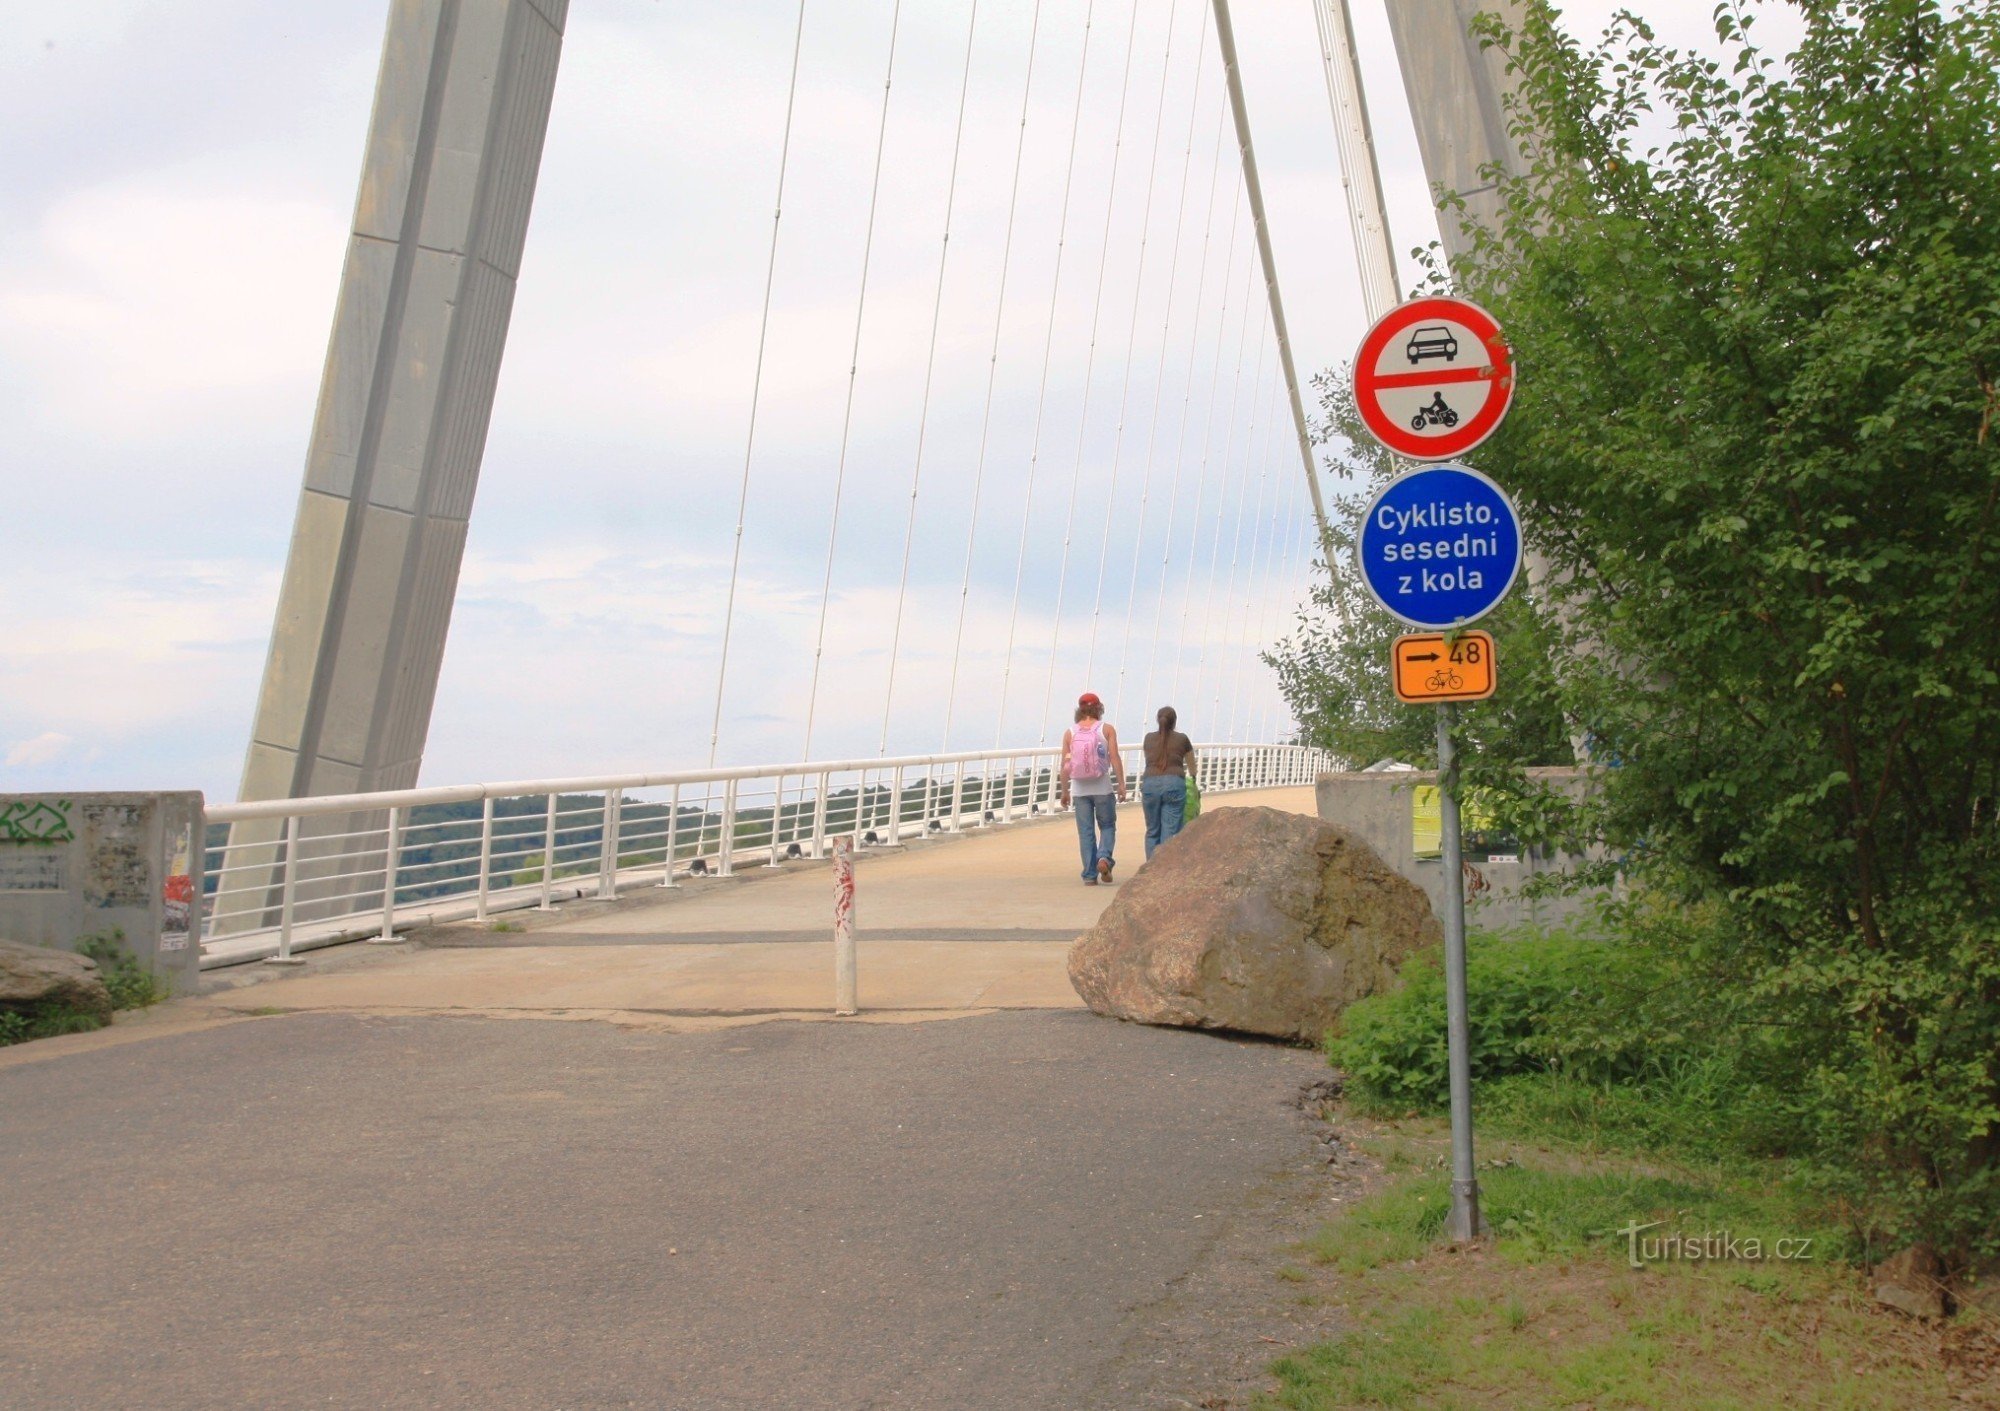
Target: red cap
1088,698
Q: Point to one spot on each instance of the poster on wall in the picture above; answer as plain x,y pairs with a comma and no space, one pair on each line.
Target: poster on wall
1481,837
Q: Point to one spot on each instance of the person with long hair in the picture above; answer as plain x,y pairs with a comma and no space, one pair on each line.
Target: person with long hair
1163,787
1093,772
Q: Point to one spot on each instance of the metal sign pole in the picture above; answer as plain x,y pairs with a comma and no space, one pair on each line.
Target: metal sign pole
1464,1223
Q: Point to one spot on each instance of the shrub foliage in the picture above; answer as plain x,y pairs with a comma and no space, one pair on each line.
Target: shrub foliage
1754,442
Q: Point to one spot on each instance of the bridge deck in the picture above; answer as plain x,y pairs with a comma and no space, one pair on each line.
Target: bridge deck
958,925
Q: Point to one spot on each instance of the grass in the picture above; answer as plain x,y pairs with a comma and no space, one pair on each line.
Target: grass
1549,1313
130,985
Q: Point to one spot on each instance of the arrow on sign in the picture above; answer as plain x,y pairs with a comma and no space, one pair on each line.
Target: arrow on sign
1427,656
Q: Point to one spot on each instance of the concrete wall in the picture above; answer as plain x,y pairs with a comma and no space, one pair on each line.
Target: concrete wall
1382,809
79,865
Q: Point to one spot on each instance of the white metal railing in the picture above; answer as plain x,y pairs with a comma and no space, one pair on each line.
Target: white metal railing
300,873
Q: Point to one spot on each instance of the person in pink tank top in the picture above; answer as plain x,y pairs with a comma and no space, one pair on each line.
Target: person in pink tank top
1094,775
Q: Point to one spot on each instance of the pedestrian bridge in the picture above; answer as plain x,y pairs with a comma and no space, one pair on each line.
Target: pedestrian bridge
692,894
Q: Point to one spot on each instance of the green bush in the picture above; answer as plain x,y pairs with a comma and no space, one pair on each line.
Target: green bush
1536,1003
132,986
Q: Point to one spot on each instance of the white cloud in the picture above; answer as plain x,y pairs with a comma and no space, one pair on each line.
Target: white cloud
45,748
149,306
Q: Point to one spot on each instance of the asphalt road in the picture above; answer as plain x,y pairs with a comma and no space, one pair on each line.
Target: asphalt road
334,1210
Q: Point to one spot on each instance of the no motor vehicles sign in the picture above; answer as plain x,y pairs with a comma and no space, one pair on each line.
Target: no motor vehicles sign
1433,378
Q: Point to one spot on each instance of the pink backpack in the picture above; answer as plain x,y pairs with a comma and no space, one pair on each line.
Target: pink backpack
1088,754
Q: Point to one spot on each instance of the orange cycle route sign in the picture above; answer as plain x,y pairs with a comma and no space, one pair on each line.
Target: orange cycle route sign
1428,668
1433,378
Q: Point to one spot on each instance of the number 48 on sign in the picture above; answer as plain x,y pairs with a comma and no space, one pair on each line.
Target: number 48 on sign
1429,667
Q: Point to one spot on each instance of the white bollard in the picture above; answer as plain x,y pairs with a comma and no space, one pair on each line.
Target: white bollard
843,925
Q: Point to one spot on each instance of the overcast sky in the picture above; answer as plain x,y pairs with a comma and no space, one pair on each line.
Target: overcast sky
180,176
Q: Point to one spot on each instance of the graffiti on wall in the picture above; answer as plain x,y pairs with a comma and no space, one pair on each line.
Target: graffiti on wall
35,821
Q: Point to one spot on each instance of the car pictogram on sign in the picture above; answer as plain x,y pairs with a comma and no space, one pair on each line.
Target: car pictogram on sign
1431,341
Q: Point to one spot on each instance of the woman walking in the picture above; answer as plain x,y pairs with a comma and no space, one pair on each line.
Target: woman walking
1093,772
1163,789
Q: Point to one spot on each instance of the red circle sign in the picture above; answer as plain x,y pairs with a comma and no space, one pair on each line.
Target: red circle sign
1433,378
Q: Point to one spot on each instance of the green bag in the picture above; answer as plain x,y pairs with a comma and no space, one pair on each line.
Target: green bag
1192,808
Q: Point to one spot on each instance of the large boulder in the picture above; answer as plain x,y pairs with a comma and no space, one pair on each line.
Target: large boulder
1253,920
35,976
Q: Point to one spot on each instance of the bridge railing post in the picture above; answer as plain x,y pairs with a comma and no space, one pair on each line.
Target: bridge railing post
549,856
485,858
777,822
725,846
289,893
389,870
896,808
607,864
673,836
819,815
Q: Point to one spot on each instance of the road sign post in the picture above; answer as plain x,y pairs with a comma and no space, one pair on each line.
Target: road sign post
1440,547
1463,1222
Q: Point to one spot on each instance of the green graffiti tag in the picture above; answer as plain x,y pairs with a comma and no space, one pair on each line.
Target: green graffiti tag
35,821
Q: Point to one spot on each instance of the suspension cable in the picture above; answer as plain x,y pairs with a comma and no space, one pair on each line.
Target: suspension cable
853,370
1228,447
1041,397
1160,372
1260,569
1187,402
992,371
1089,368
757,381
1257,456
930,366
1231,662
1222,497
1132,338
1295,536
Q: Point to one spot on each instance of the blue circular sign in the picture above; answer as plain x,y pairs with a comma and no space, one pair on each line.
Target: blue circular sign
1439,547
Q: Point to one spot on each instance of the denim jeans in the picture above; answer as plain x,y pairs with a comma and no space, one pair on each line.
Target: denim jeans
1164,797
1096,829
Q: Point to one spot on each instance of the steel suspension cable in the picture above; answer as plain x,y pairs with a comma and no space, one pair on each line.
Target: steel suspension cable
1296,537
1187,403
1089,367
1132,337
1257,589
1251,457
1160,372
757,380
1228,446
1042,396
1281,530
853,371
992,371
930,367
1222,513
1237,644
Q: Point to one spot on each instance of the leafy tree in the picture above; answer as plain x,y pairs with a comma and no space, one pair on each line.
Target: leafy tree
1754,441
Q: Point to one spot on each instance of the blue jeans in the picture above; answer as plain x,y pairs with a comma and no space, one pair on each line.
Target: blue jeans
1096,829
1164,797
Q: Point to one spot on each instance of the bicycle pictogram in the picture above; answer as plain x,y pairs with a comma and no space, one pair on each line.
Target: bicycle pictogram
1444,679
